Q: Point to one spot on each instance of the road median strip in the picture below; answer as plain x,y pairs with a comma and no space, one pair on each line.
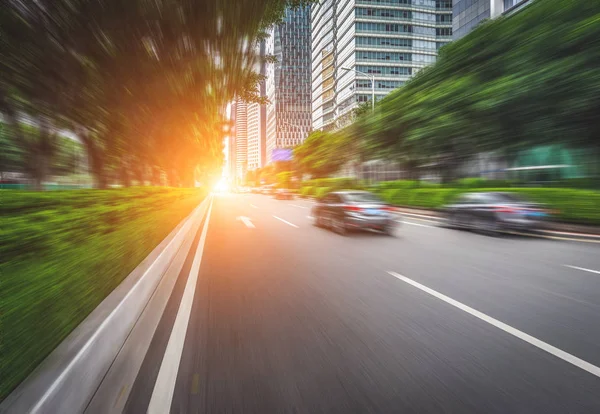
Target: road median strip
99,336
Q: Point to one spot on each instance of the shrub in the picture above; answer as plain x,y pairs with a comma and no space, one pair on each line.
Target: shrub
388,195
399,184
306,191
338,183
321,192
481,183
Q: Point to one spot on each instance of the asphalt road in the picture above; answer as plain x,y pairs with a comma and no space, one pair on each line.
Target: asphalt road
285,317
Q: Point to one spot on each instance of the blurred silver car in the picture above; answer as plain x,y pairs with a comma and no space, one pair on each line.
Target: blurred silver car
344,211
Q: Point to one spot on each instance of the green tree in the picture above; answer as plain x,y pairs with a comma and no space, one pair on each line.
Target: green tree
144,84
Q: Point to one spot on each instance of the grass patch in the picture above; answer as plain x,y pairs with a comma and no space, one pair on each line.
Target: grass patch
63,252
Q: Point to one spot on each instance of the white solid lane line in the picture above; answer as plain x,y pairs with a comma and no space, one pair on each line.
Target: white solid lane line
583,268
162,395
427,221
105,323
420,215
416,224
295,205
286,222
559,353
253,206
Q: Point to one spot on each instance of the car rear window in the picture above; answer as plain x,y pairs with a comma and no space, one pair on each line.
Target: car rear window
362,198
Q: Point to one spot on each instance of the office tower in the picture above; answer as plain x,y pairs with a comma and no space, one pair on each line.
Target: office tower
241,140
254,136
390,40
288,83
256,117
231,161
467,14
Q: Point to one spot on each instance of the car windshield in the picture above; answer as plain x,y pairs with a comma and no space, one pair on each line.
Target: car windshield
362,198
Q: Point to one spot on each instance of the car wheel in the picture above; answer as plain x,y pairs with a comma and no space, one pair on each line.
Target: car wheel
339,226
453,220
491,227
390,231
318,221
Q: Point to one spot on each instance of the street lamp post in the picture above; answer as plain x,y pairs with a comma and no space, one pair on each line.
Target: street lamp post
372,77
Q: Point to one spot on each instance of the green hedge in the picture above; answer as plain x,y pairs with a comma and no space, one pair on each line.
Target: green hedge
306,191
63,252
334,183
482,183
322,191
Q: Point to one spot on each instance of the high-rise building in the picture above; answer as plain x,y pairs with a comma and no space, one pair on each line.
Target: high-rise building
257,120
390,40
254,134
241,140
288,83
231,161
467,14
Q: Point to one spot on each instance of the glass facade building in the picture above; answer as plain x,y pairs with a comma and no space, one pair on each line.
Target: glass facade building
288,82
241,140
256,121
390,40
467,14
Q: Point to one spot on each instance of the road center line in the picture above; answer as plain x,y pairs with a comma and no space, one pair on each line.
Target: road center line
583,268
565,356
162,395
286,222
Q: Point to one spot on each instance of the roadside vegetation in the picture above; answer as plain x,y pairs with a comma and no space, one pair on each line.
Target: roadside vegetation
63,252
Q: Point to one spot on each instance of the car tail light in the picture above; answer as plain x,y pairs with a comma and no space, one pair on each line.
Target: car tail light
352,208
389,208
506,210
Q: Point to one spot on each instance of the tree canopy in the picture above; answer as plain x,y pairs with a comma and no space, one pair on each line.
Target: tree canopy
144,84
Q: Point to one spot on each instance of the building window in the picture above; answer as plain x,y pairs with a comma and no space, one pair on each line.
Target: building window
445,31
383,27
385,70
385,56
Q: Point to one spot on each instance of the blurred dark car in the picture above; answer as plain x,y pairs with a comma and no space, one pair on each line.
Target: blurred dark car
344,211
283,194
493,212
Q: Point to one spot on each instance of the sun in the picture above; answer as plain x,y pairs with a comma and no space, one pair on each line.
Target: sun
221,187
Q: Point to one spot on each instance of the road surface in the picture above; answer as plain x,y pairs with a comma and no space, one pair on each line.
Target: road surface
285,317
